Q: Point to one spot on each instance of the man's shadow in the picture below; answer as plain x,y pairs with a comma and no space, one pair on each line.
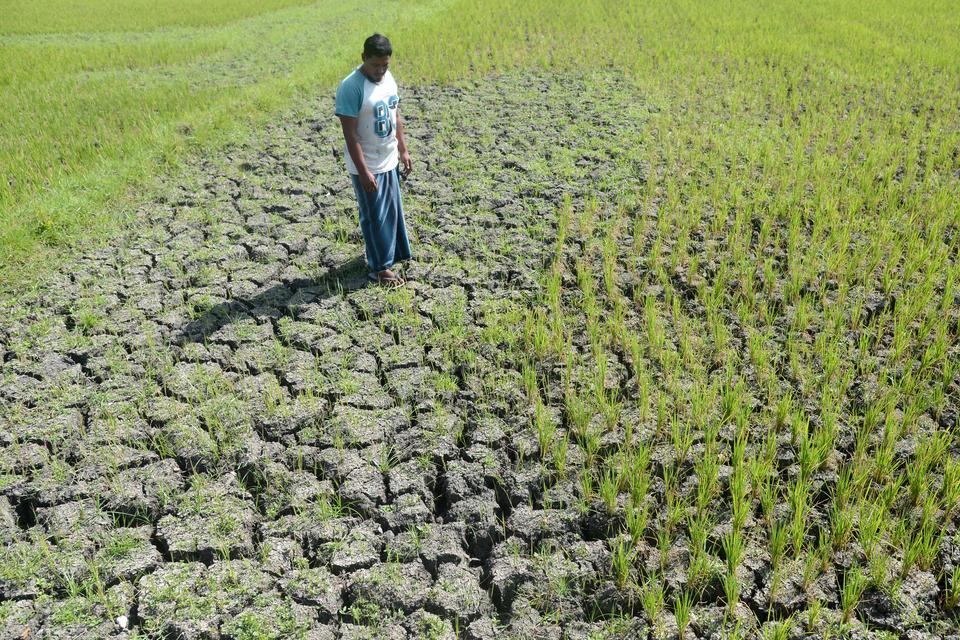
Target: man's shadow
284,298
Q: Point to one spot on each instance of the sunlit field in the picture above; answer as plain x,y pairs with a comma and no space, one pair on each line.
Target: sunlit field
720,332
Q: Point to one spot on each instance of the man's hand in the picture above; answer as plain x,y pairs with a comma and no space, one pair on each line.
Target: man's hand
402,147
368,181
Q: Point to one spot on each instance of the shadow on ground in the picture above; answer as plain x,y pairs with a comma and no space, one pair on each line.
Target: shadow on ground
287,296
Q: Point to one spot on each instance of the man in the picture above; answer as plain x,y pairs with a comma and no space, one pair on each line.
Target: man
367,105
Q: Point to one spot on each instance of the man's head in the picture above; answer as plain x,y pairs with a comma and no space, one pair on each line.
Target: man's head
376,56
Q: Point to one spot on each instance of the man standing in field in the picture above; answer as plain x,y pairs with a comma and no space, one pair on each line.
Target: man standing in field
367,105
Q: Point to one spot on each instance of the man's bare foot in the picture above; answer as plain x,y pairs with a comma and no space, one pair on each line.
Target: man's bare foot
387,277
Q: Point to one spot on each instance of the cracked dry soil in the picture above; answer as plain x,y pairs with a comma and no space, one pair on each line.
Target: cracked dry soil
213,429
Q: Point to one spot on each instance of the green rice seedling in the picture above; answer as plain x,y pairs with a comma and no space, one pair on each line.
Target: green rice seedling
682,606
664,540
841,526
878,570
610,489
699,570
731,592
587,490
682,435
661,415
778,544
636,520
780,630
652,599
621,560
733,549
707,469
530,384
952,595
698,527
813,613
799,507
559,455
871,524
578,413
922,546
546,429
854,584
950,487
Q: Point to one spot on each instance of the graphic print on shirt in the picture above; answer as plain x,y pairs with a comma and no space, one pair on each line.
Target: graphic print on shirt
382,120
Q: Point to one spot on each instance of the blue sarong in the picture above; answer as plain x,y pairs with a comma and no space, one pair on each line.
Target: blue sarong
381,221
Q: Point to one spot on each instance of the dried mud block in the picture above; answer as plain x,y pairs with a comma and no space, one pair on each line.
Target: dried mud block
175,601
378,631
365,392
364,489
127,554
344,544
191,601
19,619
535,526
9,529
212,519
360,428
435,437
405,511
526,622
25,571
613,630
457,595
242,330
256,358
490,431
392,585
508,570
77,617
299,371
189,381
479,514
411,384
310,337
289,418
322,632
317,588
462,480
413,476
144,492
443,544
399,356
425,624
22,458
483,629
96,461
72,518
269,616
919,594
280,555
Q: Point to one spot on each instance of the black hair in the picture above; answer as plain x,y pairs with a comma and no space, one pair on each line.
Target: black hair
377,46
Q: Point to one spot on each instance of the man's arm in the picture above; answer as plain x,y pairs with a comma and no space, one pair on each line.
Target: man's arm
367,179
402,146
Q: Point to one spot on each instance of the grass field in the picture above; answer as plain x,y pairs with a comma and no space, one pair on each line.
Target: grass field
735,365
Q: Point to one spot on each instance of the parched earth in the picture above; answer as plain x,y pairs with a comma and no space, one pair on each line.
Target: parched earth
213,428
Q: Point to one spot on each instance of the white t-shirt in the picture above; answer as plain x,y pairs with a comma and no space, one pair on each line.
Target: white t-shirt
374,104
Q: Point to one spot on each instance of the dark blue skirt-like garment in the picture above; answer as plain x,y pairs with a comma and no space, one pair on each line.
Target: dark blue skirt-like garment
381,221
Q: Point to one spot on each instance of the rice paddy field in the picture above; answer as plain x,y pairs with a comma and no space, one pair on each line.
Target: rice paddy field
677,356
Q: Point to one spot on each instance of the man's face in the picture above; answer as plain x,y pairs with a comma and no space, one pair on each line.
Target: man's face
375,68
